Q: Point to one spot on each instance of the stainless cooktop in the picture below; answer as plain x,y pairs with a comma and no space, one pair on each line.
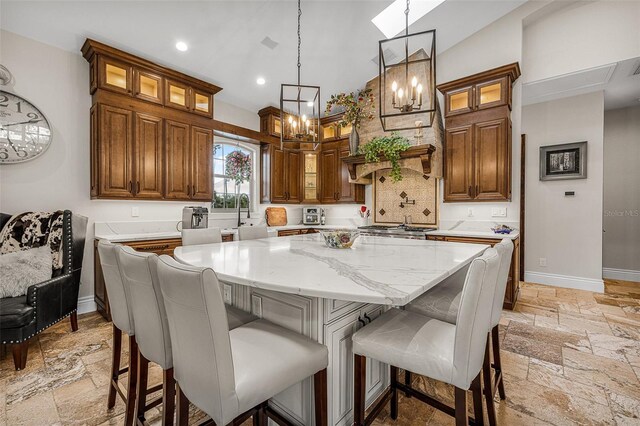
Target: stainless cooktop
395,230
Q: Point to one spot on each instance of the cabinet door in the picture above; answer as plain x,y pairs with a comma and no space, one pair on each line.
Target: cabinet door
293,162
491,160
114,75
310,179
458,183
148,86
202,103
492,93
458,101
347,192
116,152
178,159
201,164
328,176
377,375
278,181
177,95
93,155
148,157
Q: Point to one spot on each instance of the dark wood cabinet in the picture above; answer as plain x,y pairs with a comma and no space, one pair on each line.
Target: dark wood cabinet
329,164
148,157
201,164
178,164
348,192
513,281
293,174
140,149
281,176
477,149
115,152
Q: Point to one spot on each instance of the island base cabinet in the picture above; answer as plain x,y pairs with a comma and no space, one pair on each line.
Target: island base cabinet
331,323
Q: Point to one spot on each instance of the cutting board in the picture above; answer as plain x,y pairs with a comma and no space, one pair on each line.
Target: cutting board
276,216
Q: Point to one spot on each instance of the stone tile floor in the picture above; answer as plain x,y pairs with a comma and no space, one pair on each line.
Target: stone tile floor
570,357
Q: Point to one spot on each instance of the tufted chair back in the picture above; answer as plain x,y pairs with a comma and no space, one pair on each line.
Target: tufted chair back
474,318
252,232
191,237
199,330
505,250
119,298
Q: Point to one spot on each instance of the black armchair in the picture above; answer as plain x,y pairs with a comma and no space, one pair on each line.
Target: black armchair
46,303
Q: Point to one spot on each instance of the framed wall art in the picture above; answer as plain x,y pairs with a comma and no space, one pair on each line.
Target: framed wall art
564,161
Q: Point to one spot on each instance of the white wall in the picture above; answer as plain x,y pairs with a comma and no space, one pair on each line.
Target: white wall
584,35
622,194
565,230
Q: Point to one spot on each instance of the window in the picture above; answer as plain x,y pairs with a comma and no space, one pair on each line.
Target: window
224,188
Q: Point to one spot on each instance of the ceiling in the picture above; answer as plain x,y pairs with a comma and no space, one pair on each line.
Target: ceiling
224,37
620,82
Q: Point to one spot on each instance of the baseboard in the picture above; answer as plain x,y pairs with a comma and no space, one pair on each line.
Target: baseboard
566,281
86,304
621,274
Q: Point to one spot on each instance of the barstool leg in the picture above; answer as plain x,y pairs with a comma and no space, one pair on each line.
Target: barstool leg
496,360
476,390
116,349
488,383
461,407
129,417
320,391
182,407
394,393
359,383
73,318
168,397
407,382
141,387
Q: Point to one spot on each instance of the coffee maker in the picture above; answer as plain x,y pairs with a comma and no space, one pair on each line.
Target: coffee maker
195,217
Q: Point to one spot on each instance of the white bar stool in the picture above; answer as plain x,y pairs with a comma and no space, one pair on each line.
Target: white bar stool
252,232
442,302
122,319
437,349
230,375
192,237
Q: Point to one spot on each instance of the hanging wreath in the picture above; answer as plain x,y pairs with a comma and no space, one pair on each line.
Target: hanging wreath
238,166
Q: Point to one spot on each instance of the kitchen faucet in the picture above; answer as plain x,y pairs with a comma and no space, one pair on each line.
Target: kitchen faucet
248,207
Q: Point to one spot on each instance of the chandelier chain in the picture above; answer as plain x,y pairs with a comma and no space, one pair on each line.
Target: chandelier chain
406,17
299,40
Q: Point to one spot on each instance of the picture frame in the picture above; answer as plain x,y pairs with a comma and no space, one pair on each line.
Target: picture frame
563,161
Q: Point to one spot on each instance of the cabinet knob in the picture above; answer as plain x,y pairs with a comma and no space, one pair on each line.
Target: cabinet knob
130,188
362,321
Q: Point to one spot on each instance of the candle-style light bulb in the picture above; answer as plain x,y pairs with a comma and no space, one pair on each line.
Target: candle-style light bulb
400,93
294,124
304,117
414,82
394,86
419,94
290,119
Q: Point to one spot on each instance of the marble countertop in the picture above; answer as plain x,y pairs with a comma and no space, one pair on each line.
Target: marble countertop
377,270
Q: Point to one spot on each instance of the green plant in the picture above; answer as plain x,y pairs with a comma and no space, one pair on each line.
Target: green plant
387,146
357,107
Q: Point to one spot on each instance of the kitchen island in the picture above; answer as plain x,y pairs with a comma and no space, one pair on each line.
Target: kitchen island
327,294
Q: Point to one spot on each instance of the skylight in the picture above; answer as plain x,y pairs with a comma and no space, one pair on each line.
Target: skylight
391,20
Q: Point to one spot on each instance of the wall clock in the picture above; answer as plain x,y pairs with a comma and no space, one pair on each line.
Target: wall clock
25,133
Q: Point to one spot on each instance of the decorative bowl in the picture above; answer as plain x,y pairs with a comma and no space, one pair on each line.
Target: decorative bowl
502,229
340,238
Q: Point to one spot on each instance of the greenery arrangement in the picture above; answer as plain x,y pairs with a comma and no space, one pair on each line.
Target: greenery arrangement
386,146
238,166
358,106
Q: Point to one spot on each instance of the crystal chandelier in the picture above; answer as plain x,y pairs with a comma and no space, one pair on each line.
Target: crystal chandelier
299,108
412,89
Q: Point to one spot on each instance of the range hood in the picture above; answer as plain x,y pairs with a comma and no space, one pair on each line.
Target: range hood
418,158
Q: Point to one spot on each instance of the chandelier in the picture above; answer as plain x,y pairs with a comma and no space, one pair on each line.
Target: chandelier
412,77
299,108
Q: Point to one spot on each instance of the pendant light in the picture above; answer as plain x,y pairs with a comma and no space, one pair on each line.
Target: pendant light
407,92
299,108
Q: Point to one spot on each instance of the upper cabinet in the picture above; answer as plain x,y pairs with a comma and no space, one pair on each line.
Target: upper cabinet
151,129
477,148
270,122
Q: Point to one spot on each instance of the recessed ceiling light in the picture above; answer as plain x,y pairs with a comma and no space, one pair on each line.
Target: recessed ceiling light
310,104
391,20
182,46
261,81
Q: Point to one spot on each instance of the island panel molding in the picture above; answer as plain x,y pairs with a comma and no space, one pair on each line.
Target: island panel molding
151,129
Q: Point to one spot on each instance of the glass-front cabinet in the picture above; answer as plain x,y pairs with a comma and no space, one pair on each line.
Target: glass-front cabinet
310,179
115,75
202,103
148,86
345,130
459,101
177,95
329,131
492,93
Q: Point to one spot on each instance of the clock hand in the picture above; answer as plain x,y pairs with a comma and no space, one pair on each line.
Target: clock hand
22,122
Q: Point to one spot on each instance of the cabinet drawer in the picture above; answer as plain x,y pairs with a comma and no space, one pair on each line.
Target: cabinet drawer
334,309
288,232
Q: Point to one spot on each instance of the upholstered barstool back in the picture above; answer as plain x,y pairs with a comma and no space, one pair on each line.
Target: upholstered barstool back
252,232
505,250
192,237
197,319
152,330
119,298
473,322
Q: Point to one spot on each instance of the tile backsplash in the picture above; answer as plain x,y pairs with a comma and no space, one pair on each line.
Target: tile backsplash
416,195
